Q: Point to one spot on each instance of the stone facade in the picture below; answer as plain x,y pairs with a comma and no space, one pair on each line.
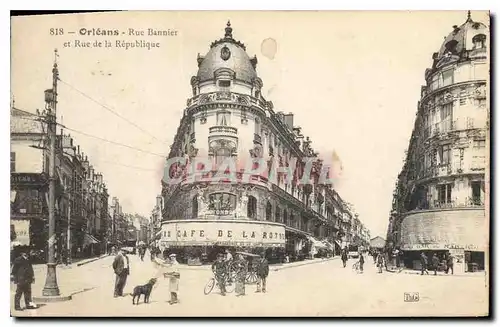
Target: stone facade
227,117
443,176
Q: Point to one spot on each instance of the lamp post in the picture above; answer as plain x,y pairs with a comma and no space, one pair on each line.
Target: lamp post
51,287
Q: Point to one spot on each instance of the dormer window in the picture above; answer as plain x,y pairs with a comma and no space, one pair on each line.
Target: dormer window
224,83
479,41
451,47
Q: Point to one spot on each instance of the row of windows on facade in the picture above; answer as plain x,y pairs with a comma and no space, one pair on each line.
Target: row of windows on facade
225,86
447,77
443,154
222,204
444,192
444,116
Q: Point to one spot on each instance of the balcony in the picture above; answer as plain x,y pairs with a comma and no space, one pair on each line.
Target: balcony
226,133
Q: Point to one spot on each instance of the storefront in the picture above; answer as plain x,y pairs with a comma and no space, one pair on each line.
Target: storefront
202,240
460,233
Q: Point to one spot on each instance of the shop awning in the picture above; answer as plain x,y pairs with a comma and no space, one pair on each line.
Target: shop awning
329,245
89,239
316,243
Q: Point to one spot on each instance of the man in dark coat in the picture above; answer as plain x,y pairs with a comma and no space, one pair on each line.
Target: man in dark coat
423,263
23,275
344,257
262,273
435,263
220,271
449,263
121,269
361,261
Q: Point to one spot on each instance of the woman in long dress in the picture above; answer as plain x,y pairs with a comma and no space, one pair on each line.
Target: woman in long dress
241,273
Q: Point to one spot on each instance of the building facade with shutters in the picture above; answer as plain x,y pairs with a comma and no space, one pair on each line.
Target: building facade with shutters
227,117
440,198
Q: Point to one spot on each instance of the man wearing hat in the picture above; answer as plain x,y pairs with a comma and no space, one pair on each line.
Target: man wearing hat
219,268
262,273
173,274
24,276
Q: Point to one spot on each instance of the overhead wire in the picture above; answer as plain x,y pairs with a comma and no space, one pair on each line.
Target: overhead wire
111,110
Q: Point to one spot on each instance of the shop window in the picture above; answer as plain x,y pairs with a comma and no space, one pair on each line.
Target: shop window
252,207
12,162
445,154
477,188
444,193
269,212
195,207
479,41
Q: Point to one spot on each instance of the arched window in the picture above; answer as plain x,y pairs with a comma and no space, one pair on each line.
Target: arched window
451,47
479,41
277,215
252,207
221,154
269,211
194,208
221,204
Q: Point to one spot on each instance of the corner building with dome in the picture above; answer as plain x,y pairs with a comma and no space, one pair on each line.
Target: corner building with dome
227,117
440,200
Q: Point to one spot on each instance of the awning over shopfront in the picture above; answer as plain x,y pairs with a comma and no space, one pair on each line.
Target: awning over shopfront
89,239
329,245
316,243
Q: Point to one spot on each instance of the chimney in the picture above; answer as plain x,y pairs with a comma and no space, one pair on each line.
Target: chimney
288,119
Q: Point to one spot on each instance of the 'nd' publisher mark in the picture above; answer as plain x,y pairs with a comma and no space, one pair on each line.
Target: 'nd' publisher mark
412,297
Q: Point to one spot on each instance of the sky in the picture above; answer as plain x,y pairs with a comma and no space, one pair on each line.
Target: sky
352,80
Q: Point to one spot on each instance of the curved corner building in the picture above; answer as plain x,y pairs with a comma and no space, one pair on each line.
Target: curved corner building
439,202
227,117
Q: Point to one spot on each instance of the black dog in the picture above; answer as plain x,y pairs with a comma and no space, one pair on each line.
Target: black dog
143,289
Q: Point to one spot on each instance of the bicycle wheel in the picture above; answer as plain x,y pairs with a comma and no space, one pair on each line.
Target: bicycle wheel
210,286
355,266
251,278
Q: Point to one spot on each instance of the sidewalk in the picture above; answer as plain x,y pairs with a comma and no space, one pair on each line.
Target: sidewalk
431,273
69,283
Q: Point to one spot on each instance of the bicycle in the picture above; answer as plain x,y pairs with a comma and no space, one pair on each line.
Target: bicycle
356,267
230,285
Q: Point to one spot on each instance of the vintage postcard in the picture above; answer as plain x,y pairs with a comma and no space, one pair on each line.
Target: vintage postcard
250,164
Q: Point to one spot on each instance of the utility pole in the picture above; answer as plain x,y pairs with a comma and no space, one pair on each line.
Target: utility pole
51,288
69,231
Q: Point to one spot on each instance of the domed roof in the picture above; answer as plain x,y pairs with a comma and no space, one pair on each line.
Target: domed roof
461,38
227,53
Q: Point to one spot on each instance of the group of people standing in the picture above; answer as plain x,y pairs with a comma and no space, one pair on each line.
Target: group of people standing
446,262
225,265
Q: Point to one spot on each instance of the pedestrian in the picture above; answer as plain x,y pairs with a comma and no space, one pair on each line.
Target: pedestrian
423,263
23,276
262,273
435,263
220,271
174,275
449,263
122,270
344,257
361,261
380,262
241,266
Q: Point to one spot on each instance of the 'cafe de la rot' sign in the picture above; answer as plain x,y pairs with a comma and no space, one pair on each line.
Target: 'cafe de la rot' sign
217,232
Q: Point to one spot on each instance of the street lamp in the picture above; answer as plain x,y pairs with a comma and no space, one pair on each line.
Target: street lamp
51,289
